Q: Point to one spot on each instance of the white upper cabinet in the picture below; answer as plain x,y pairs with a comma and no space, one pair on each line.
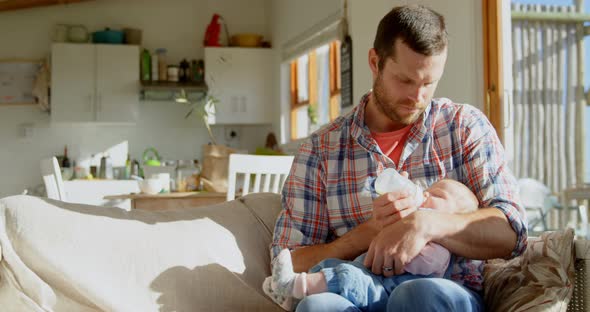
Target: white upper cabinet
94,83
241,79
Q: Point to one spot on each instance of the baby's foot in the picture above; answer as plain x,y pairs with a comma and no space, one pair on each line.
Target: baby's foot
285,285
284,302
283,277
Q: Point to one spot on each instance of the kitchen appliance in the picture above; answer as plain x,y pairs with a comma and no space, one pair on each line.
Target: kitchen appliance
151,157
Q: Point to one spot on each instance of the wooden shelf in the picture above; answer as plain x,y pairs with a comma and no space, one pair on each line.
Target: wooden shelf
169,85
168,90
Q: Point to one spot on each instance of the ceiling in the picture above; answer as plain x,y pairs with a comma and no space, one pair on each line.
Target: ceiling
11,5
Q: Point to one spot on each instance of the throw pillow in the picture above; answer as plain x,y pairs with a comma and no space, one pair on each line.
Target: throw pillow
541,279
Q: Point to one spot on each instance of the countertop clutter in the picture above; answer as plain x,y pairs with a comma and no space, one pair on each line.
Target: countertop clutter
152,174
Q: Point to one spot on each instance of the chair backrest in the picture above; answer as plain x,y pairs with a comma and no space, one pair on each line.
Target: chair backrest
270,173
52,179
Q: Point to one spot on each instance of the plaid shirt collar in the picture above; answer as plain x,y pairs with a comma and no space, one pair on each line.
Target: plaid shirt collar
361,133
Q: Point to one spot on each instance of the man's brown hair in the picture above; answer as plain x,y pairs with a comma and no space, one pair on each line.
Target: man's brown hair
421,28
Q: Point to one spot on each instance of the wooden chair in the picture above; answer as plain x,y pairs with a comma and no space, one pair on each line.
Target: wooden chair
52,179
270,173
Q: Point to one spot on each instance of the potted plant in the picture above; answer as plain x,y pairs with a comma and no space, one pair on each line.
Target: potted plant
215,157
202,108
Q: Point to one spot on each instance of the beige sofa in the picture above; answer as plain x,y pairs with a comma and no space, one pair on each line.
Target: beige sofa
56,256
68,257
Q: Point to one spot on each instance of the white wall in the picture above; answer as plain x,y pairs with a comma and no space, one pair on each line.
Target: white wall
463,78
177,25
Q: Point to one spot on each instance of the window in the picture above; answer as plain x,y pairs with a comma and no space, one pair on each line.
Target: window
315,89
550,80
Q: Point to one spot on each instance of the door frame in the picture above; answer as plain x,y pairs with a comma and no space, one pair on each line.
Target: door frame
493,64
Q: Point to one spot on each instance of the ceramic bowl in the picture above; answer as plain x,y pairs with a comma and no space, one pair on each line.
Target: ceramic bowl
151,186
246,40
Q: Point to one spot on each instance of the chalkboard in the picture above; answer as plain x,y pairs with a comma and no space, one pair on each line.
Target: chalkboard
16,81
346,72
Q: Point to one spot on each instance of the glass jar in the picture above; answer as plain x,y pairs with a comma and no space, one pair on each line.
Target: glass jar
172,73
188,176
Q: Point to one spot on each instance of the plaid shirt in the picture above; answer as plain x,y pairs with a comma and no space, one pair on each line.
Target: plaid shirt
330,189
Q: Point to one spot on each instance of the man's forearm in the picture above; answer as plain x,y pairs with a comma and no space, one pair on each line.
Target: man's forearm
483,234
347,247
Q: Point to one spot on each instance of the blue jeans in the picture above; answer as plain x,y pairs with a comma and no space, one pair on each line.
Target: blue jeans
353,287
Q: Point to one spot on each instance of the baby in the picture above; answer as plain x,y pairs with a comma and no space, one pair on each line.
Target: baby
355,282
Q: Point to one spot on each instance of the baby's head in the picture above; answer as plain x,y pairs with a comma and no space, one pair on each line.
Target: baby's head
450,196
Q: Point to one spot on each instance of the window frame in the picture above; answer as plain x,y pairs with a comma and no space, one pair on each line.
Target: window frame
313,89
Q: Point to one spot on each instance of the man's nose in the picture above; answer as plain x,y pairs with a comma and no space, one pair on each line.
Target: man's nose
417,94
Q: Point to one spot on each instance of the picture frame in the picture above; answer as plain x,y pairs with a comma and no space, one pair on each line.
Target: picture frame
17,78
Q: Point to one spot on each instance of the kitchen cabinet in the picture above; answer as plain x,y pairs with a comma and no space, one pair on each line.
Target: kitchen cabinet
94,83
241,79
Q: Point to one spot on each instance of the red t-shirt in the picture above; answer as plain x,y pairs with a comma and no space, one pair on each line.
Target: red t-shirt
392,143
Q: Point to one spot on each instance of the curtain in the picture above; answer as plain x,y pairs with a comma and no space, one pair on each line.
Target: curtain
548,99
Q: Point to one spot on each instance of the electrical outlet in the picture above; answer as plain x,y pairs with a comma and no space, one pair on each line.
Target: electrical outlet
231,134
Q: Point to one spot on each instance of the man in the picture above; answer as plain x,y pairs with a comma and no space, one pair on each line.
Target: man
329,199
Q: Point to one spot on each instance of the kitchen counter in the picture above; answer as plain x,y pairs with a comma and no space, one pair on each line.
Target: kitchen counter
166,201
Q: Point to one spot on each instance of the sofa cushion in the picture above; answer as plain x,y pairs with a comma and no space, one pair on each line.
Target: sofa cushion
540,280
59,256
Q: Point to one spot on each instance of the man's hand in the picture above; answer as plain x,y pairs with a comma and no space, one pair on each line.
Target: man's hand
398,243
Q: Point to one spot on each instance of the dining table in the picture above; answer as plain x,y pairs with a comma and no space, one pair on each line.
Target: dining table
174,200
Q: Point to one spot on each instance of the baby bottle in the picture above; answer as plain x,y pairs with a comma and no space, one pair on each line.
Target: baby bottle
390,180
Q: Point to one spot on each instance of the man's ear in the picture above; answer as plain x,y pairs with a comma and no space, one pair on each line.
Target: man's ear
374,62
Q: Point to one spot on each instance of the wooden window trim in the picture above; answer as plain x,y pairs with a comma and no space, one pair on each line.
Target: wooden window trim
493,62
313,88
313,78
335,83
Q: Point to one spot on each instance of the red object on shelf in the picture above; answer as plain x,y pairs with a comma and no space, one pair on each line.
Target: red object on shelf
213,31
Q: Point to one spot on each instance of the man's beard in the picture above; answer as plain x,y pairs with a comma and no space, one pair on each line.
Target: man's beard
389,108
